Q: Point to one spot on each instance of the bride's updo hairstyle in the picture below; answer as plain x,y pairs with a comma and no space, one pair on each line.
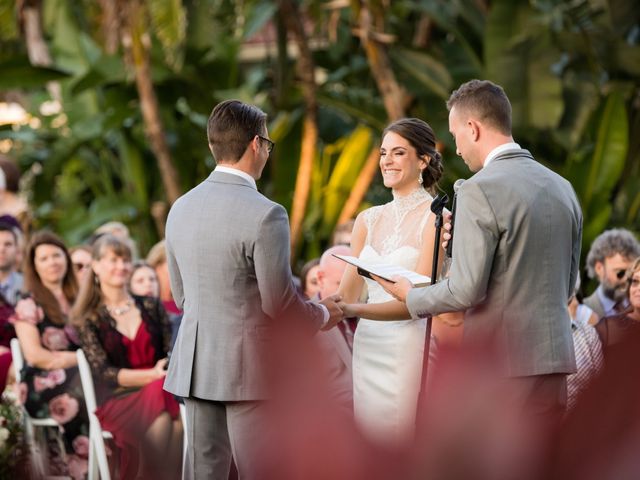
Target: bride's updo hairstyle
421,137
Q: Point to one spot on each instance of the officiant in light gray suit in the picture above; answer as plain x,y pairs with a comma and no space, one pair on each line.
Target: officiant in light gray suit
228,256
516,251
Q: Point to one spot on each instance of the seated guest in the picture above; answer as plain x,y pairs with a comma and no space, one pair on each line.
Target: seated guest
144,281
126,341
609,258
587,347
157,259
309,278
336,342
615,329
81,261
48,342
10,279
7,332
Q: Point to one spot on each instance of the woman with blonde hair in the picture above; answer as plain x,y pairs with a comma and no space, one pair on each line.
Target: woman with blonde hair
126,341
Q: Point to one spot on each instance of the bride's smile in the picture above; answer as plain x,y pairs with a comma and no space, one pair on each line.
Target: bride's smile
399,163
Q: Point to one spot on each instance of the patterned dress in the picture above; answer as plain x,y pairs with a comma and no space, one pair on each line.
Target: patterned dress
58,394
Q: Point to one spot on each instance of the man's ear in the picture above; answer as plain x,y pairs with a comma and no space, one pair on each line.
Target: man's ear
599,268
321,275
474,126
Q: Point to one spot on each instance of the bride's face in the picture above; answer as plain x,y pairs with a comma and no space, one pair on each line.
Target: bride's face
399,163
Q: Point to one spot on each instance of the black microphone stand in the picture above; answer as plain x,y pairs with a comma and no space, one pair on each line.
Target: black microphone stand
437,207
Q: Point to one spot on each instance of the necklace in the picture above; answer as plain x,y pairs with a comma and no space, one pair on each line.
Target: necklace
120,310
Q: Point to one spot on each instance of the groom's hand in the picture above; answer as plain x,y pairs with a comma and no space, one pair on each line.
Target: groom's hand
335,313
399,288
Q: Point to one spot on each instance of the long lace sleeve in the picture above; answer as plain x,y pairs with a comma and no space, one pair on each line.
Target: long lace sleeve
97,357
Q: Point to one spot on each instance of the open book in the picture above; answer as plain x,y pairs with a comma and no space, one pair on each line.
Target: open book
385,270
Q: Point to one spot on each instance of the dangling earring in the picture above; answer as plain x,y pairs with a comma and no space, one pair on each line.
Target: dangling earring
420,177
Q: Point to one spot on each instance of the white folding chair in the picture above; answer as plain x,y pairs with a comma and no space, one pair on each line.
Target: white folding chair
98,463
34,427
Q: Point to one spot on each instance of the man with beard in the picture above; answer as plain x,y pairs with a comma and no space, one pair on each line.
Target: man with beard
10,279
609,258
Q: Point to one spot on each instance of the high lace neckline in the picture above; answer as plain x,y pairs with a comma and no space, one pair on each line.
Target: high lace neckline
404,203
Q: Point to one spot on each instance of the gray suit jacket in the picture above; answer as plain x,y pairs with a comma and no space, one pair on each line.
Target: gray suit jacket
594,303
516,252
228,256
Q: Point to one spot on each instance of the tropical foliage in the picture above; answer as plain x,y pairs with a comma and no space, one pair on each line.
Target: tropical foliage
330,74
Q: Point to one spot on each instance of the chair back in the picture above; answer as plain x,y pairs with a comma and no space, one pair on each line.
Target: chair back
17,358
87,381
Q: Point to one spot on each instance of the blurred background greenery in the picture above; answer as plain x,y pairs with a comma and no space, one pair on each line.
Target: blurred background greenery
117,95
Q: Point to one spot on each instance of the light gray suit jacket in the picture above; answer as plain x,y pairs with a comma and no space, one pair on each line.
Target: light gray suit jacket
228,256
516,252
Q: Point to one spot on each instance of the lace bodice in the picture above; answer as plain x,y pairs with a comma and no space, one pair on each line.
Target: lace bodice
394,235
398,223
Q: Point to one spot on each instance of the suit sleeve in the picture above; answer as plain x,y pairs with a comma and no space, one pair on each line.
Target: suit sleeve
576,246
474,245
177,289
278,294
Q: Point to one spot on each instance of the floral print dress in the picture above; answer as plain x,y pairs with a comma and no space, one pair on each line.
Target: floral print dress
58,394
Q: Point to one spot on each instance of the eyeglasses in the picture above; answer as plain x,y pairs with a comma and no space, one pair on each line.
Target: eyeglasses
80,266
270,143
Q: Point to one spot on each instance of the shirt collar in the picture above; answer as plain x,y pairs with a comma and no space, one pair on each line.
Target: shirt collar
500,149
238,173
607,304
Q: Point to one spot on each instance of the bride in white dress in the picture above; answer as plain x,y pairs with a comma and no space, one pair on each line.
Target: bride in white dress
388,355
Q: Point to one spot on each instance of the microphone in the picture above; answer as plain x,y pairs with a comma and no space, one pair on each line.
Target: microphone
438,203
456,187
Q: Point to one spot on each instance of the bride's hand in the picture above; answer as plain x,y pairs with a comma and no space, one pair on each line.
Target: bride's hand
349,309
399,287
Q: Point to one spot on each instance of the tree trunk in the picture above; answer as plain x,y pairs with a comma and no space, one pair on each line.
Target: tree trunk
393,95
306,71
30,15
136,43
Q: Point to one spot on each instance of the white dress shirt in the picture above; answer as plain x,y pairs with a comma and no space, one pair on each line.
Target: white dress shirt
500,149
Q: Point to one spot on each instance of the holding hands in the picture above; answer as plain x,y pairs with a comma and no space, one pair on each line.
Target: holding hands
335,312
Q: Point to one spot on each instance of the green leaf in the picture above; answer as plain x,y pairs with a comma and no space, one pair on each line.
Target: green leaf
258,17
19,73
519,55
169,21
611,146
431,73
348,166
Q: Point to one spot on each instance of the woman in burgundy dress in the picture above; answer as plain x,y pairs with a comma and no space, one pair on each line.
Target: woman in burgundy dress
50,384
7,332
126,339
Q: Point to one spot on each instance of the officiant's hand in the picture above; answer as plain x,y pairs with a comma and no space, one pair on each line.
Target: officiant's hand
399,288
446,234
335,313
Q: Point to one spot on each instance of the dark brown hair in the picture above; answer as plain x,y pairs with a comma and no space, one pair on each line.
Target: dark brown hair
304,271
231,126
11,172
33,284
90,296
421,137
486,100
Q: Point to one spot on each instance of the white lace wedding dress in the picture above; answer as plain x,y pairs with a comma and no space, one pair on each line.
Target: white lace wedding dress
388,355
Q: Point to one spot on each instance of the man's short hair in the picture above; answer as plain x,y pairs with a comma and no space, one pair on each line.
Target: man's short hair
485,100
610,243
157,255
231,126
7,227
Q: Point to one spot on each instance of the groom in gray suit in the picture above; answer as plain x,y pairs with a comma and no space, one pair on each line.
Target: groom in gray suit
228,256
516,250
